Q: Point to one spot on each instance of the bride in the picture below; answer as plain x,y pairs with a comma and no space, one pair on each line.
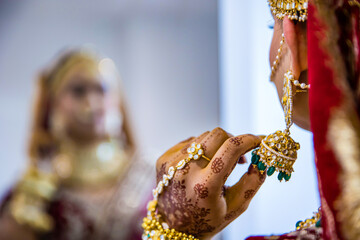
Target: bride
315,67
82,158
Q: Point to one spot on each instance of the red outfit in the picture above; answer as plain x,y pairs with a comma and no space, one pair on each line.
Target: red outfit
333,32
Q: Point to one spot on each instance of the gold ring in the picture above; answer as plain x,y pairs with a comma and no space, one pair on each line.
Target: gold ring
196,152
205,157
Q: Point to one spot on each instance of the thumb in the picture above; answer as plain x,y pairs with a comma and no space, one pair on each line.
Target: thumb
238,196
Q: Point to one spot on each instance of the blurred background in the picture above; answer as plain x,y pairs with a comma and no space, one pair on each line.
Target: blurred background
186,66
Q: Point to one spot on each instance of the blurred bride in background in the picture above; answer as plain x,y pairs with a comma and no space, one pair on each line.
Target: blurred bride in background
84,180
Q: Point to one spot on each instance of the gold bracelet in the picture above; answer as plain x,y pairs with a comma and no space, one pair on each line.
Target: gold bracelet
154,227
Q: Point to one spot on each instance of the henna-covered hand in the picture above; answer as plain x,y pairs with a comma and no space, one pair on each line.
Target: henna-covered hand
196,201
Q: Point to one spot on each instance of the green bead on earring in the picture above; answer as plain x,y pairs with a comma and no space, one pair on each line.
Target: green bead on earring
255,159
271,171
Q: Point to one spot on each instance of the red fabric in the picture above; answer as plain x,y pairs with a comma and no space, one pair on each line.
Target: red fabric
306,234
323,97
328,93
61,209
283,237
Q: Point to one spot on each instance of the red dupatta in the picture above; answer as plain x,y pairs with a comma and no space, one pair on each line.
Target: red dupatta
334,98
333,59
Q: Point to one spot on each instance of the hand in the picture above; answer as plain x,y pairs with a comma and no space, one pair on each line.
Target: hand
196,201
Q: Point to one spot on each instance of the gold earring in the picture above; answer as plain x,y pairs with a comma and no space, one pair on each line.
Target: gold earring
278,151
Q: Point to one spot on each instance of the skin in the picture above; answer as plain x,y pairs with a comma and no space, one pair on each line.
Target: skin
196,201
80,105
294,58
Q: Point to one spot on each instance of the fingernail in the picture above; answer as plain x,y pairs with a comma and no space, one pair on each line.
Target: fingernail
242,159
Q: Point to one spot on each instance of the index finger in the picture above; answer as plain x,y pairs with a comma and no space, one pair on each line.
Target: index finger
225,159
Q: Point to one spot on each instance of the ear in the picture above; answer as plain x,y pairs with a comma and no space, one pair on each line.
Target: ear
296,40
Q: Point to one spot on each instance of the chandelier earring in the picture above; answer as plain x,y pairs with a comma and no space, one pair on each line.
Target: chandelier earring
278,151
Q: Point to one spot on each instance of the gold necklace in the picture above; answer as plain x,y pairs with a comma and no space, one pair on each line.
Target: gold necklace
314,221
94,165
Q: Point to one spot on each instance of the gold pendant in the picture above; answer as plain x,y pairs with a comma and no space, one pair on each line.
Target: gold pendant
278,153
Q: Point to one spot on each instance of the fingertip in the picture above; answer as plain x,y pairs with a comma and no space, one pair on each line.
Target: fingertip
253,169
261,136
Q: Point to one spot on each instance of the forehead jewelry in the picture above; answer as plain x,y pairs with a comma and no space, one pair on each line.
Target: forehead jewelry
293,9
153,224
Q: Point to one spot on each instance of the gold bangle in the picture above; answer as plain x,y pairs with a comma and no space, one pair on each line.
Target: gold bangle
155,229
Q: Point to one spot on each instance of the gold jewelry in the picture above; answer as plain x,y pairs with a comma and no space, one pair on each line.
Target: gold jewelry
206,158
354,3
278,56
303,86
293,9
154,229
196,152
93,165
314,221
153,225
29,203
278,151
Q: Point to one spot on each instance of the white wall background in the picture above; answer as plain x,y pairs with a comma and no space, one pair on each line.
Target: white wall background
249,103
166,51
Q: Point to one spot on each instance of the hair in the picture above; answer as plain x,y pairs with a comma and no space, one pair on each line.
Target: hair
42,143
